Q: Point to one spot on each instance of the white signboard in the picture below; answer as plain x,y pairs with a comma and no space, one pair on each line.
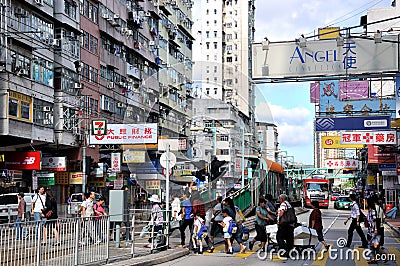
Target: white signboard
341,163
370,137
324,57
127,134
116,162
57,164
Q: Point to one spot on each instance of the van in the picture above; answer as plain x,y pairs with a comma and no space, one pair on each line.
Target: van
76,200
9,206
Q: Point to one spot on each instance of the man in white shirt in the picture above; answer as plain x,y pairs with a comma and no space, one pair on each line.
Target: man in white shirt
38,204
355,223
285,235
87,213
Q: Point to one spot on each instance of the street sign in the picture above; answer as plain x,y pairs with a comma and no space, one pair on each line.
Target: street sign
172,160
387,166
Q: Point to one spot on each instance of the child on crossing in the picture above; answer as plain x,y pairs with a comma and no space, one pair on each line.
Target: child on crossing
199,232
229,227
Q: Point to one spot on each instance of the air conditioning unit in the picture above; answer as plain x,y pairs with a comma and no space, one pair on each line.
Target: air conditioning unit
105,16
155,4
47,122
56,42
151,43
173,3
129,80
77,85
129,108
39,2
120,105
116,16
147,14
22,72
124,30
110,85
46,108
129,33
18,11
156,47
122,84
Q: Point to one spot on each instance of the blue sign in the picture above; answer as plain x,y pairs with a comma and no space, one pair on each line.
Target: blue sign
352,123
387,166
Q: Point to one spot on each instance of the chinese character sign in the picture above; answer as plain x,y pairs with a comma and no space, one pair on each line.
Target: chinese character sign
116,162
127,134
371,137
341,163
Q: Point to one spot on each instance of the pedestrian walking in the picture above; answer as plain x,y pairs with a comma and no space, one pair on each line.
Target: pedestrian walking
238,236
176,218
226,229
355,223
270,207
87,213
187,218
285,235
156,221
217,218
20,215
380,214
50,213
315,222
261,221
37,205
373,234
199,233
99,214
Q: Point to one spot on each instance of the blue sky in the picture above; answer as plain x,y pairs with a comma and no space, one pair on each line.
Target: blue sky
289,104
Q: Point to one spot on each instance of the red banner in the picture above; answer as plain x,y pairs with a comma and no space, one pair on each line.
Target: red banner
30,160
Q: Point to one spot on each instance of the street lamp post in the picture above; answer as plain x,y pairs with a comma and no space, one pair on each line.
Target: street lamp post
242,159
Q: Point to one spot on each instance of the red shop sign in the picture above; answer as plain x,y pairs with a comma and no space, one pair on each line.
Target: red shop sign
30,160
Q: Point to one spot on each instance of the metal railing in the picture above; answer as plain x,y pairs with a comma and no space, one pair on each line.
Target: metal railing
78,241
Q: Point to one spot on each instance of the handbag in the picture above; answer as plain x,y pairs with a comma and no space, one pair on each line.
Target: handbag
174,224
288,217
48,214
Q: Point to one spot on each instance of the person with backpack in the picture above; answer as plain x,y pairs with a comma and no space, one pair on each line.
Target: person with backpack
229,227
187,218
261,221
356,217
199,233
286,221
315,222
218,217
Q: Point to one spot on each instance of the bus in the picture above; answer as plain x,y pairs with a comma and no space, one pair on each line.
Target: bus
316,188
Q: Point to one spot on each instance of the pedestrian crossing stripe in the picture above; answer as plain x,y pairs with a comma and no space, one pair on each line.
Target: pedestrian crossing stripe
322,257
216,249
361,261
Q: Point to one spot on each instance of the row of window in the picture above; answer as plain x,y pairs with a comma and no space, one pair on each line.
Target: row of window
88,10
89,42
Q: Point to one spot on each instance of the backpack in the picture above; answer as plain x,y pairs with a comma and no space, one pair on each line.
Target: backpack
289,216
239,217
203,229
232,227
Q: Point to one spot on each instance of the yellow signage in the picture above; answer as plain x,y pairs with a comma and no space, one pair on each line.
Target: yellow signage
153,185
371,180
333,142
328,33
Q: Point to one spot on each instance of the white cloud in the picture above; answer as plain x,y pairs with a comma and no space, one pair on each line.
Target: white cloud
295,135
294,116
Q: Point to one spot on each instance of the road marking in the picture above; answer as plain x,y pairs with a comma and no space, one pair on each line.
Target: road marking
329,227
322,257
361,261
395,252
392,234
217,248
245,255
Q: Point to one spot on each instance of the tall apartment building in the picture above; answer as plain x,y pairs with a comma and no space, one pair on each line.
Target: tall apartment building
64,63
224,32
267,139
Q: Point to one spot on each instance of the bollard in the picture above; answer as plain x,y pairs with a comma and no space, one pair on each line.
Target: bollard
117,236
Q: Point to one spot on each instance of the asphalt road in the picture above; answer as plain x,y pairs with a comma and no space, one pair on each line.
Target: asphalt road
334,228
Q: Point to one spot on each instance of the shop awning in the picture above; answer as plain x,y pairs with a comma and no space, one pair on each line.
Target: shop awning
274,166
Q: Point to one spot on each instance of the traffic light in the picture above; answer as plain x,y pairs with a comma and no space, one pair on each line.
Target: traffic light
200,174
90,165
215,165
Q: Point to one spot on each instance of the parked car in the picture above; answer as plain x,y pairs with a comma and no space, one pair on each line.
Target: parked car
334,196
342,202
9,206
76,200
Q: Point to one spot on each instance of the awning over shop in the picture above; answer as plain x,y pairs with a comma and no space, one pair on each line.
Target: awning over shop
274,166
